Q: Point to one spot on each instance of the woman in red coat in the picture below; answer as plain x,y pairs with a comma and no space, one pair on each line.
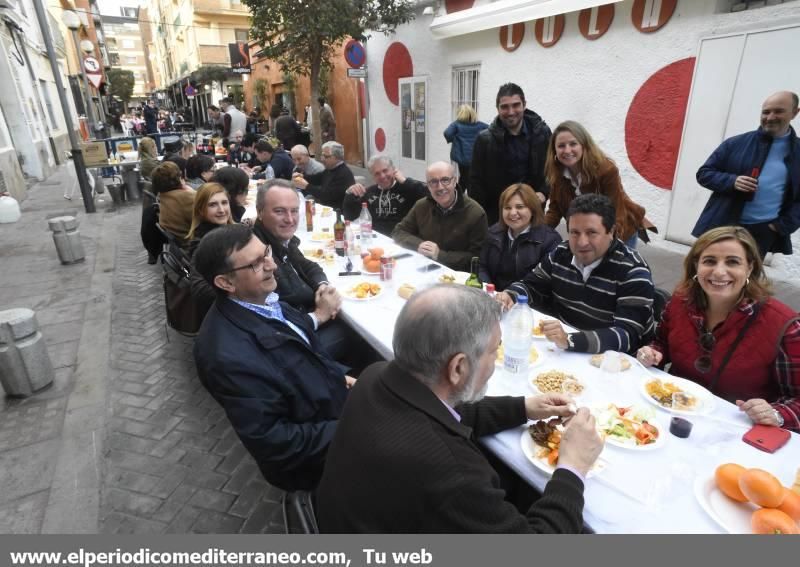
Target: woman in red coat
722,330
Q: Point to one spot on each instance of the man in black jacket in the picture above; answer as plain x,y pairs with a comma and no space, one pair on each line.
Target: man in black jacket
389,200
280,161
512,150
328,188
405,459
263,363
300,281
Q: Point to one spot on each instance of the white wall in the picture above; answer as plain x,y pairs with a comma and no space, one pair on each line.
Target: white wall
592,82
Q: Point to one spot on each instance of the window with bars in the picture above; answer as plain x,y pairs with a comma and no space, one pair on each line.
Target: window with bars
466,79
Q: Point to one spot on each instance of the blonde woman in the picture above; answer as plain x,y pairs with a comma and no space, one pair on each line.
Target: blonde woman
148,157
461,134
576,166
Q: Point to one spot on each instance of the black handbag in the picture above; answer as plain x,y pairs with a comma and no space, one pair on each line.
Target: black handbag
182,312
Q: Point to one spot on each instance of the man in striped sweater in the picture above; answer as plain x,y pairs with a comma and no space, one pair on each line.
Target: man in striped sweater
592,282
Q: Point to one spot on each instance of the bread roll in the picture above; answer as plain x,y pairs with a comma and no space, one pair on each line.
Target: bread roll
406,290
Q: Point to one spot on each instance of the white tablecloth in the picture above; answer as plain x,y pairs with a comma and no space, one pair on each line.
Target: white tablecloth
640,491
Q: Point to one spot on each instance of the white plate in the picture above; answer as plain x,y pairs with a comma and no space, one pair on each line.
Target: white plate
732,516
528,447
663,430
542,355
705,399
536,389
461,277
348,291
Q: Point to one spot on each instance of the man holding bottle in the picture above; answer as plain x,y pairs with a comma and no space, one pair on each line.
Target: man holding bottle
389,200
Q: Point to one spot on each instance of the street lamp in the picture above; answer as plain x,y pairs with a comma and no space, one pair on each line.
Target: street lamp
73,22
77,152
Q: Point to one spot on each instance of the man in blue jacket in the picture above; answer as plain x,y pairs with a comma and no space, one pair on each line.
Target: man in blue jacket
755,179
261,360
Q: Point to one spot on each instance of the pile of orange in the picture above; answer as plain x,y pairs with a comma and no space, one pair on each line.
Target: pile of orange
372,260
779,511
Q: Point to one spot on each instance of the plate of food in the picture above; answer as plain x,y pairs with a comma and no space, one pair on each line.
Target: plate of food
363,291
557,382
451,277
540,443
629,427
677,395
321,236
314,254
371,261
535,358
732,515
596,360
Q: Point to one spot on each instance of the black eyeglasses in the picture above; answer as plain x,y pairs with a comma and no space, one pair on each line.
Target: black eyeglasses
258,265
707,341
445,181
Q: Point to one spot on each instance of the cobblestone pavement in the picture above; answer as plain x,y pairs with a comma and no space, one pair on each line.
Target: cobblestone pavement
173,463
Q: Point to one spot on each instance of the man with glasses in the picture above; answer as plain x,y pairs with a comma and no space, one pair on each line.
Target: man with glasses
446,226
328,188
512,150
263,363
593,282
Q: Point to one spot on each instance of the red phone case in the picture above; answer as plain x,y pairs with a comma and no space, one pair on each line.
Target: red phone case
766,437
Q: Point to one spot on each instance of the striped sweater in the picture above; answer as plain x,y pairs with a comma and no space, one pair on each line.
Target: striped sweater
613,308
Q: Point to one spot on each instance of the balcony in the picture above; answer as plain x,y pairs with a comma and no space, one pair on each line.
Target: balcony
226,7
213,55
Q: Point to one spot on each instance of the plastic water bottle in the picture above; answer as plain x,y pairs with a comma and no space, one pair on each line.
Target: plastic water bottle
365,223
349,240
517,339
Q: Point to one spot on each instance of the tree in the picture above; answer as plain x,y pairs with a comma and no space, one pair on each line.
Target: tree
301,35
121,83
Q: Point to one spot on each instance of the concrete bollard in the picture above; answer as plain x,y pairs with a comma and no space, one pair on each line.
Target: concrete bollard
25,366
67,239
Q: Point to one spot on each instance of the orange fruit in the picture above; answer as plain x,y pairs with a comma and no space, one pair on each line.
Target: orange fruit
791,505
376,253
372,265
773,522
727,477
761,488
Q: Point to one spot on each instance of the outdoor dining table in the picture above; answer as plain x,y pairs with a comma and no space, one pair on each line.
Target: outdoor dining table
666,487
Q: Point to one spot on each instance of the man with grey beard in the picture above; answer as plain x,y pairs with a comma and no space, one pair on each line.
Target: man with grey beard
405,456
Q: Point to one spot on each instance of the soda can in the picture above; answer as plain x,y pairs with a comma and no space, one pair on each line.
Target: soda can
386,268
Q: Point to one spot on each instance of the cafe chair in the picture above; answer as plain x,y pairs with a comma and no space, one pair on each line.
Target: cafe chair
298,513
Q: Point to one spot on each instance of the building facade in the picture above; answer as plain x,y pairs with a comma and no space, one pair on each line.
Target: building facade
126,45
630,71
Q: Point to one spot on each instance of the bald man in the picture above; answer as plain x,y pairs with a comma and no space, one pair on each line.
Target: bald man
304,163
405,459
755,179
446,226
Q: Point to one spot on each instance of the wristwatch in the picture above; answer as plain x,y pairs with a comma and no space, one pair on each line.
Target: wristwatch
570,342
779,417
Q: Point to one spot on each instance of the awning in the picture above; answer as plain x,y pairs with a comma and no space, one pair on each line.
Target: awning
505,12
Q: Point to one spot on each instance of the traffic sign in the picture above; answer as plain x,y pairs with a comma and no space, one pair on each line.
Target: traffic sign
190,91
91,65
95,79
354,53
357,73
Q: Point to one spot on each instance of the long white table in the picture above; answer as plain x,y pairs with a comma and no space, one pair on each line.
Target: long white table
640,490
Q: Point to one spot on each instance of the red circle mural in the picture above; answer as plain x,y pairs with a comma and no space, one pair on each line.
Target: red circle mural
594,22
511,36
457,5
648,17
397,64
548,30
380,139
654,122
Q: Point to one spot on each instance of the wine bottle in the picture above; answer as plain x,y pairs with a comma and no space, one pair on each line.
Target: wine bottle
338,234
474,279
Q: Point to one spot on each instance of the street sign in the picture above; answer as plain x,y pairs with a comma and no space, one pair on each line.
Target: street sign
95,79
91,65
190,91
357,73
354,54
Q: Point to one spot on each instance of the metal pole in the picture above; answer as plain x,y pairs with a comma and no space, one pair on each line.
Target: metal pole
86,92
77,153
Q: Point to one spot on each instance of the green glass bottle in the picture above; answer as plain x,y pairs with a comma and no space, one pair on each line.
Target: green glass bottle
474,279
